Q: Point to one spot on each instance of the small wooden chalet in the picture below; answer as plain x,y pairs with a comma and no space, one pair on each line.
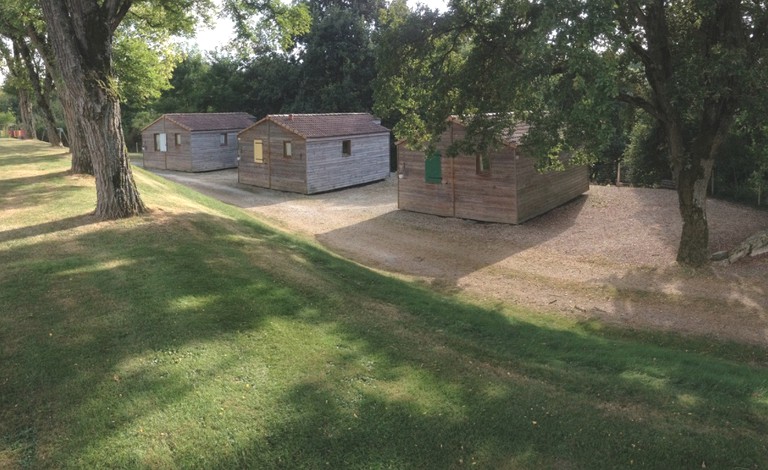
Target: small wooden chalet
312,153
193,141
503,186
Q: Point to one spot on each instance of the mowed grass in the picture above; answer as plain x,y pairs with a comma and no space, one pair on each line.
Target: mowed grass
197,337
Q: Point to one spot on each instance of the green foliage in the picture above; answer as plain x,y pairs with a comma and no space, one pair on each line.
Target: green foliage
416,64
330,71
742,171
144,68
7,119
646,157
337,65
268,25
167,17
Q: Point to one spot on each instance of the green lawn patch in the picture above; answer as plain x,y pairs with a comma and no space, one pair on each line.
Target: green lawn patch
197,337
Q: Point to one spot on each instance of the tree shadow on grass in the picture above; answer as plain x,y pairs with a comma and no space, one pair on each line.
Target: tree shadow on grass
30,191
725,302
31,159
47,227
110,361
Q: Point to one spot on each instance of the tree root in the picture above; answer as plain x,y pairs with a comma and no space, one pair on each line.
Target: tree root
755,245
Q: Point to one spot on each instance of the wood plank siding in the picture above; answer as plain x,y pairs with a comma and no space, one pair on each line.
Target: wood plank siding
277,170
195,147
176,155
328,168
413,192
315,165
538,193
505,188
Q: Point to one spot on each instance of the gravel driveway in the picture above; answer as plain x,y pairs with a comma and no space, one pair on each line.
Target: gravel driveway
609,254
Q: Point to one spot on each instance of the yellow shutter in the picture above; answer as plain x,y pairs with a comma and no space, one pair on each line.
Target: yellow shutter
258,151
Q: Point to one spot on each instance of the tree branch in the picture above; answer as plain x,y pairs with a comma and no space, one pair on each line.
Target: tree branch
641,103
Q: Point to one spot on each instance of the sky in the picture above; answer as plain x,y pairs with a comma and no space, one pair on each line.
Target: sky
208,39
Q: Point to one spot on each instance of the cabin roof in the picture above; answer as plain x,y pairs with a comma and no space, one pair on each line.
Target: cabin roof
209,121
511,136
310,126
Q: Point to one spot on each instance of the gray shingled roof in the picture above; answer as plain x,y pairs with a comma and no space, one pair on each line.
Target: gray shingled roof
211,121
311,126
511,136
514,135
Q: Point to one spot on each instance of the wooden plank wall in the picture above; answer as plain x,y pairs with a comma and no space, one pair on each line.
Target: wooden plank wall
328,169
490,197
250,172
538,193
208,154
512,192
175,157
415,194
284,174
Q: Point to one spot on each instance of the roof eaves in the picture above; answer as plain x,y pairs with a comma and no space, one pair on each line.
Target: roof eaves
152,123
290,129
177,122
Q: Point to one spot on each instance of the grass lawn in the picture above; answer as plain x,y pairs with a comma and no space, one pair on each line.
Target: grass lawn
198,337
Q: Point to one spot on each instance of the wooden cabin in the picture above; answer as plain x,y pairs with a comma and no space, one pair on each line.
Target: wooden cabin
193,141
503,186
313,153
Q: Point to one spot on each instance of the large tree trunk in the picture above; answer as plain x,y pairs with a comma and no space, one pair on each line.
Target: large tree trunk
42,99
692,162
81,35
692,198
48,90
81,157
27,115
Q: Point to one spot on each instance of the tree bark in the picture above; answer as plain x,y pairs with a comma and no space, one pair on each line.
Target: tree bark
27,115
42,99
81,33
692,198
81,157
82,163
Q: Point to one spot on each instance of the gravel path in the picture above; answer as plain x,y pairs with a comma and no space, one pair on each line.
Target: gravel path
609,254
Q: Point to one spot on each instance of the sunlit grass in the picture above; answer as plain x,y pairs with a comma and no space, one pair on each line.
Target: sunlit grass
196,337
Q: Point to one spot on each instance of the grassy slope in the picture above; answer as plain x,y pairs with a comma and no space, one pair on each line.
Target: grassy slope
197,337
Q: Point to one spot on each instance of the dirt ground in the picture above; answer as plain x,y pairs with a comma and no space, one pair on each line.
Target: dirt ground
609,254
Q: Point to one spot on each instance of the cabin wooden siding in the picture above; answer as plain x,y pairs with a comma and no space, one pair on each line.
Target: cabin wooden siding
329,169
413,192
197,150
512,191
207,153
316,165
278,171
249,171
538,193
174,154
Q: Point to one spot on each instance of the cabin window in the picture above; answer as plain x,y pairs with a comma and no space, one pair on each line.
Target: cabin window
433,169
177,140
223,139
346,148
287,149
483,163
160,143
258,151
